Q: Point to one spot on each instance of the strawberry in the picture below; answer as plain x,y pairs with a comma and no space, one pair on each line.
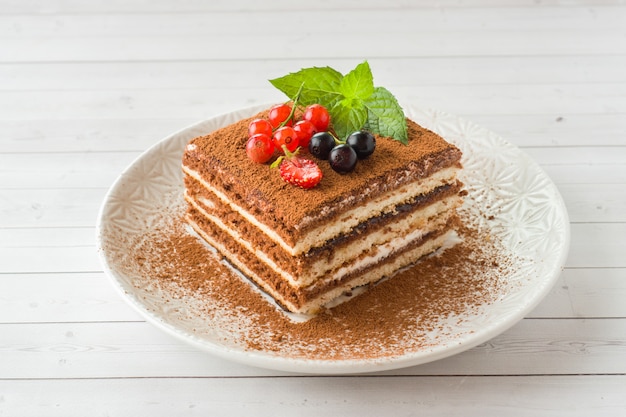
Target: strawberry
300,171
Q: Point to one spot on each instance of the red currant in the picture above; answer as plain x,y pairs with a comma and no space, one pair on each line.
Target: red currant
259,126
318,115
278,114
260,148
304,130
285,136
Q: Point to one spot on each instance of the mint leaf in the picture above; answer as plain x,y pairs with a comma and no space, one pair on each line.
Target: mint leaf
321,84
352,100
358,83
385,116
347,119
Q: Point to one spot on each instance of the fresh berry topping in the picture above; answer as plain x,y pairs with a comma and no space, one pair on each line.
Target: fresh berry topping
363,142
320,145
279,114
285,136
259,126
342,158
300,171
260,148
304,130
318,115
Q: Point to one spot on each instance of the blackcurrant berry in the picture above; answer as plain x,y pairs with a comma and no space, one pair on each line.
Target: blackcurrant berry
320,145
363,142
342,158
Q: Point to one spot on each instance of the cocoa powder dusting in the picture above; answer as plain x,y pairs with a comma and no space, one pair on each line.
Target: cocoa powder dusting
257,187
409,312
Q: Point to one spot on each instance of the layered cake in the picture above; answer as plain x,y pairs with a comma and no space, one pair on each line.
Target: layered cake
307,247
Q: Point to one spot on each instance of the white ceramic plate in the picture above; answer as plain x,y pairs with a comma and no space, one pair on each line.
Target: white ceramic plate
532,222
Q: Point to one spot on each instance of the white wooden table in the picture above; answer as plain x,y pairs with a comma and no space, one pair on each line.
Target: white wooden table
85,87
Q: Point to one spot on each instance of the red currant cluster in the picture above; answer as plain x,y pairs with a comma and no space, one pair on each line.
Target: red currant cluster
278,130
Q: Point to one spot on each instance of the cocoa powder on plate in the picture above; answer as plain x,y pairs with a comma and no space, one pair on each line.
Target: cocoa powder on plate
414,310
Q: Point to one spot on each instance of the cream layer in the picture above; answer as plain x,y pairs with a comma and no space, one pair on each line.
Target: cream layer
378,272
375,274
369,249
348,220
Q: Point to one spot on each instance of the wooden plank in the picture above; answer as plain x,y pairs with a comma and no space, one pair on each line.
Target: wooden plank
585,292
62,207
48,7
328,21
139,104
570,396
569,157
63,170
595,202
440,43
555,128
126,134
399,72
87,135
493,100
55,249
310,396
592,246
594,172
126,350
78,297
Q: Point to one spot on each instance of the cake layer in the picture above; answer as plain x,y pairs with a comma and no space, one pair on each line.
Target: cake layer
341,224
219,160
422,215
310,298
344,259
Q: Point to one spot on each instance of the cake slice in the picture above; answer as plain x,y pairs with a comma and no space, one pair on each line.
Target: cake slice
305,248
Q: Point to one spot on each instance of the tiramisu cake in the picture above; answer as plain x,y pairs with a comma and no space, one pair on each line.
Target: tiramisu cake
306,247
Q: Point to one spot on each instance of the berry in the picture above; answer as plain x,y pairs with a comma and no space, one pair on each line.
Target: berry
278,114
342,158
285,136
304,130
300,171
363,142
260,148
259,126
320,145
318,115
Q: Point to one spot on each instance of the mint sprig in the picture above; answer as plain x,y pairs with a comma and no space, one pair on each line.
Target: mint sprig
351,99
